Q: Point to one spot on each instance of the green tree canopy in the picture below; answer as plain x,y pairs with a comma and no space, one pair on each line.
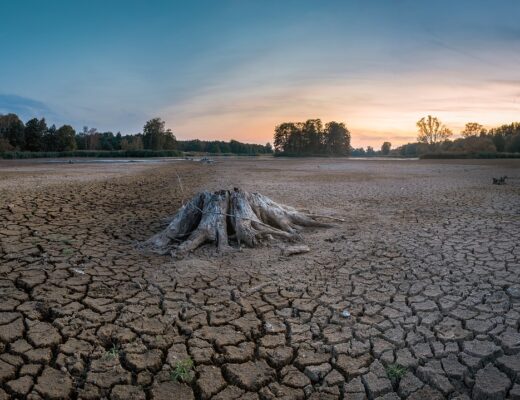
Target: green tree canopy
65,138
310,137
12,130
157,137
35,129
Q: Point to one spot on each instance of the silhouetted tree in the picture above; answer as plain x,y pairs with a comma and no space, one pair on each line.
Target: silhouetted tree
385,148
12,130
50,139
34,131
310,138
432,131
156,137
358,152
499,141
65,138
370,151
337,138
473,129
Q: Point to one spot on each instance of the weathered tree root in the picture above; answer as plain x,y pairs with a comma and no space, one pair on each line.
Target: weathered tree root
226,216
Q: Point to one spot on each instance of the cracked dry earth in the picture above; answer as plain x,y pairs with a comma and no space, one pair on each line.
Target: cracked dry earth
424,274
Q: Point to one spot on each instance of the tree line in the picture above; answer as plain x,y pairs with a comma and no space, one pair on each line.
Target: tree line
312,138
435,138
36,136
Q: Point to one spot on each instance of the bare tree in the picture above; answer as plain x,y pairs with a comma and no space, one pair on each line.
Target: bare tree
432,131
473,129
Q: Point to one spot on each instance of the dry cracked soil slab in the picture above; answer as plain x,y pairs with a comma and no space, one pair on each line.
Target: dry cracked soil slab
415,296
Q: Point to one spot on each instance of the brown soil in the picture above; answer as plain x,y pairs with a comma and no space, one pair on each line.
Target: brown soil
425,273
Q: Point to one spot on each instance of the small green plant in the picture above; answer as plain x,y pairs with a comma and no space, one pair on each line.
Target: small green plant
182,371
395,372
113,352
67,251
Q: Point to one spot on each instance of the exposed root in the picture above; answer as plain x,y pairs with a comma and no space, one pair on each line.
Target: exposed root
222,217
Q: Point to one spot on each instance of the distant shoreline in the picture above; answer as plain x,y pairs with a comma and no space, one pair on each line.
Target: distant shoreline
19,155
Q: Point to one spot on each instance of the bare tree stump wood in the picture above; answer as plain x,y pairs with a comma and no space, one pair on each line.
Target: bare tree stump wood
232,217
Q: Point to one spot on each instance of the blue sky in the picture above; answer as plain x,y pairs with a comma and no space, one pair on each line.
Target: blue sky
233,69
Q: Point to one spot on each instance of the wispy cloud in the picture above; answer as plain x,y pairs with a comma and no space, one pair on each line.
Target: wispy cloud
24,107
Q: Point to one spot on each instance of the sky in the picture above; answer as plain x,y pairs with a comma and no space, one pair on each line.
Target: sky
234,69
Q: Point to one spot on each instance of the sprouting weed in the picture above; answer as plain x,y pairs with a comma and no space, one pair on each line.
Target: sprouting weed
113,352
182,371
395,372
67,252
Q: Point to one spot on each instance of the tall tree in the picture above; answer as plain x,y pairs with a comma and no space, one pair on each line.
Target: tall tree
385,148
65,138
282,134
432,131
337,138
12,129
49,140
473,129
35,129
157,137
313,135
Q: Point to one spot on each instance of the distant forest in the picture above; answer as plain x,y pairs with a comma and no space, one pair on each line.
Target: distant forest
36,139
36,136
434,141
312,138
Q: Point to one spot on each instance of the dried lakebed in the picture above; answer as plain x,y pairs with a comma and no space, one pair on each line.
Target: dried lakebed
415,296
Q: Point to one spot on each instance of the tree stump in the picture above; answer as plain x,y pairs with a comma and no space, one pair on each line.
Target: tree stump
226,218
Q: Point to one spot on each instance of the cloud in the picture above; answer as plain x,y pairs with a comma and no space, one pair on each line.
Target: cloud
24,107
